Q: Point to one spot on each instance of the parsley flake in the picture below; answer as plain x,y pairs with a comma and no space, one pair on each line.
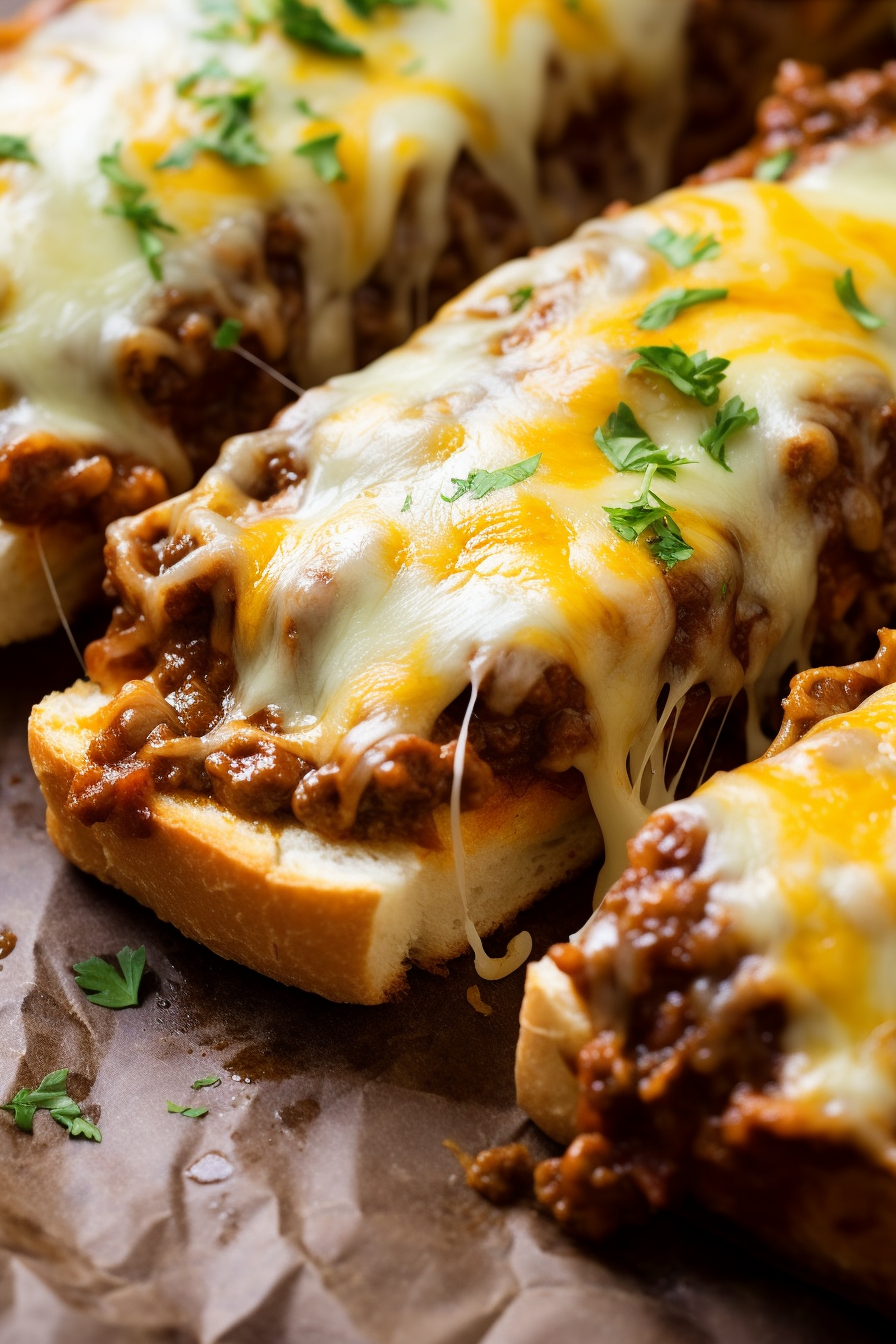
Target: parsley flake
191,1112
305,23
684,250
520,297
302,105
16,147
132,207
407,503
649,513
732,418
228,334
845,288
51,1095
230,135
235,22
630,448
668,306
211,1080
103,985
694,375
480,483
321,152
366,7
774,168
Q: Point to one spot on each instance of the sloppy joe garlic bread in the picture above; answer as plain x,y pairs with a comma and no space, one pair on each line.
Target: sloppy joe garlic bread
609,489
724,1026
325,175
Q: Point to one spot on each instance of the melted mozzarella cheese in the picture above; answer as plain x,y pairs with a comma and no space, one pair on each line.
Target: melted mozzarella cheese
361,608
432,83
802,854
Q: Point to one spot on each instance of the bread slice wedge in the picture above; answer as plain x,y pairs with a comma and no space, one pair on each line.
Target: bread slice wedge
341,919
720,1030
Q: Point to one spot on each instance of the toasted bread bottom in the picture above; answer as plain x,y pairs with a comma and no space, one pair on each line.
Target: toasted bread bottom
342,919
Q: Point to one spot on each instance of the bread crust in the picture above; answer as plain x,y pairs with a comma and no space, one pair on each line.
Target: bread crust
554,1026
340,919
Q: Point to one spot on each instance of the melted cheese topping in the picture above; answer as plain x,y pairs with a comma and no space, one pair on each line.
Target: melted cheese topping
363,602
802,854
481,76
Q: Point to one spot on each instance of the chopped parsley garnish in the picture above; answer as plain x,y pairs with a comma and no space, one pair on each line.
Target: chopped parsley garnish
694,375
16,147
230,135
774,168
191,1112
102,983
650,513
412,66
520,297
729,420
303,106
630,448
682,250
233,22
51,1095
407,502
211,1080
323,157
131,206
228,334
845,287
367,7
305,23
668,306
480,483
213,69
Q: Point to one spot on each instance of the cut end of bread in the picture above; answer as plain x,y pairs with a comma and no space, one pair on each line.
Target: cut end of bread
75,561
343,919
554,1026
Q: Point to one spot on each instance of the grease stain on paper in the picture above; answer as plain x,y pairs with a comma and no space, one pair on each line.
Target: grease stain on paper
299,1115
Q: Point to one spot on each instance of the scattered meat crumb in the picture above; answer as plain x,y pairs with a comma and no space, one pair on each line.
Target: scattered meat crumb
501,1175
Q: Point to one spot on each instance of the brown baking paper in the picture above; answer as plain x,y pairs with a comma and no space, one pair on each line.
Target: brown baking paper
315,1202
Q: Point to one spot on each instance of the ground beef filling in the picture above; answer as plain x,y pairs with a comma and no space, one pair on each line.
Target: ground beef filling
391,793
734,47
206,395
657,1083
44,480
806,114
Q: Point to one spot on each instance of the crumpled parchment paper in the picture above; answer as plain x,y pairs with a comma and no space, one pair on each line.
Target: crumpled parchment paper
315,1202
